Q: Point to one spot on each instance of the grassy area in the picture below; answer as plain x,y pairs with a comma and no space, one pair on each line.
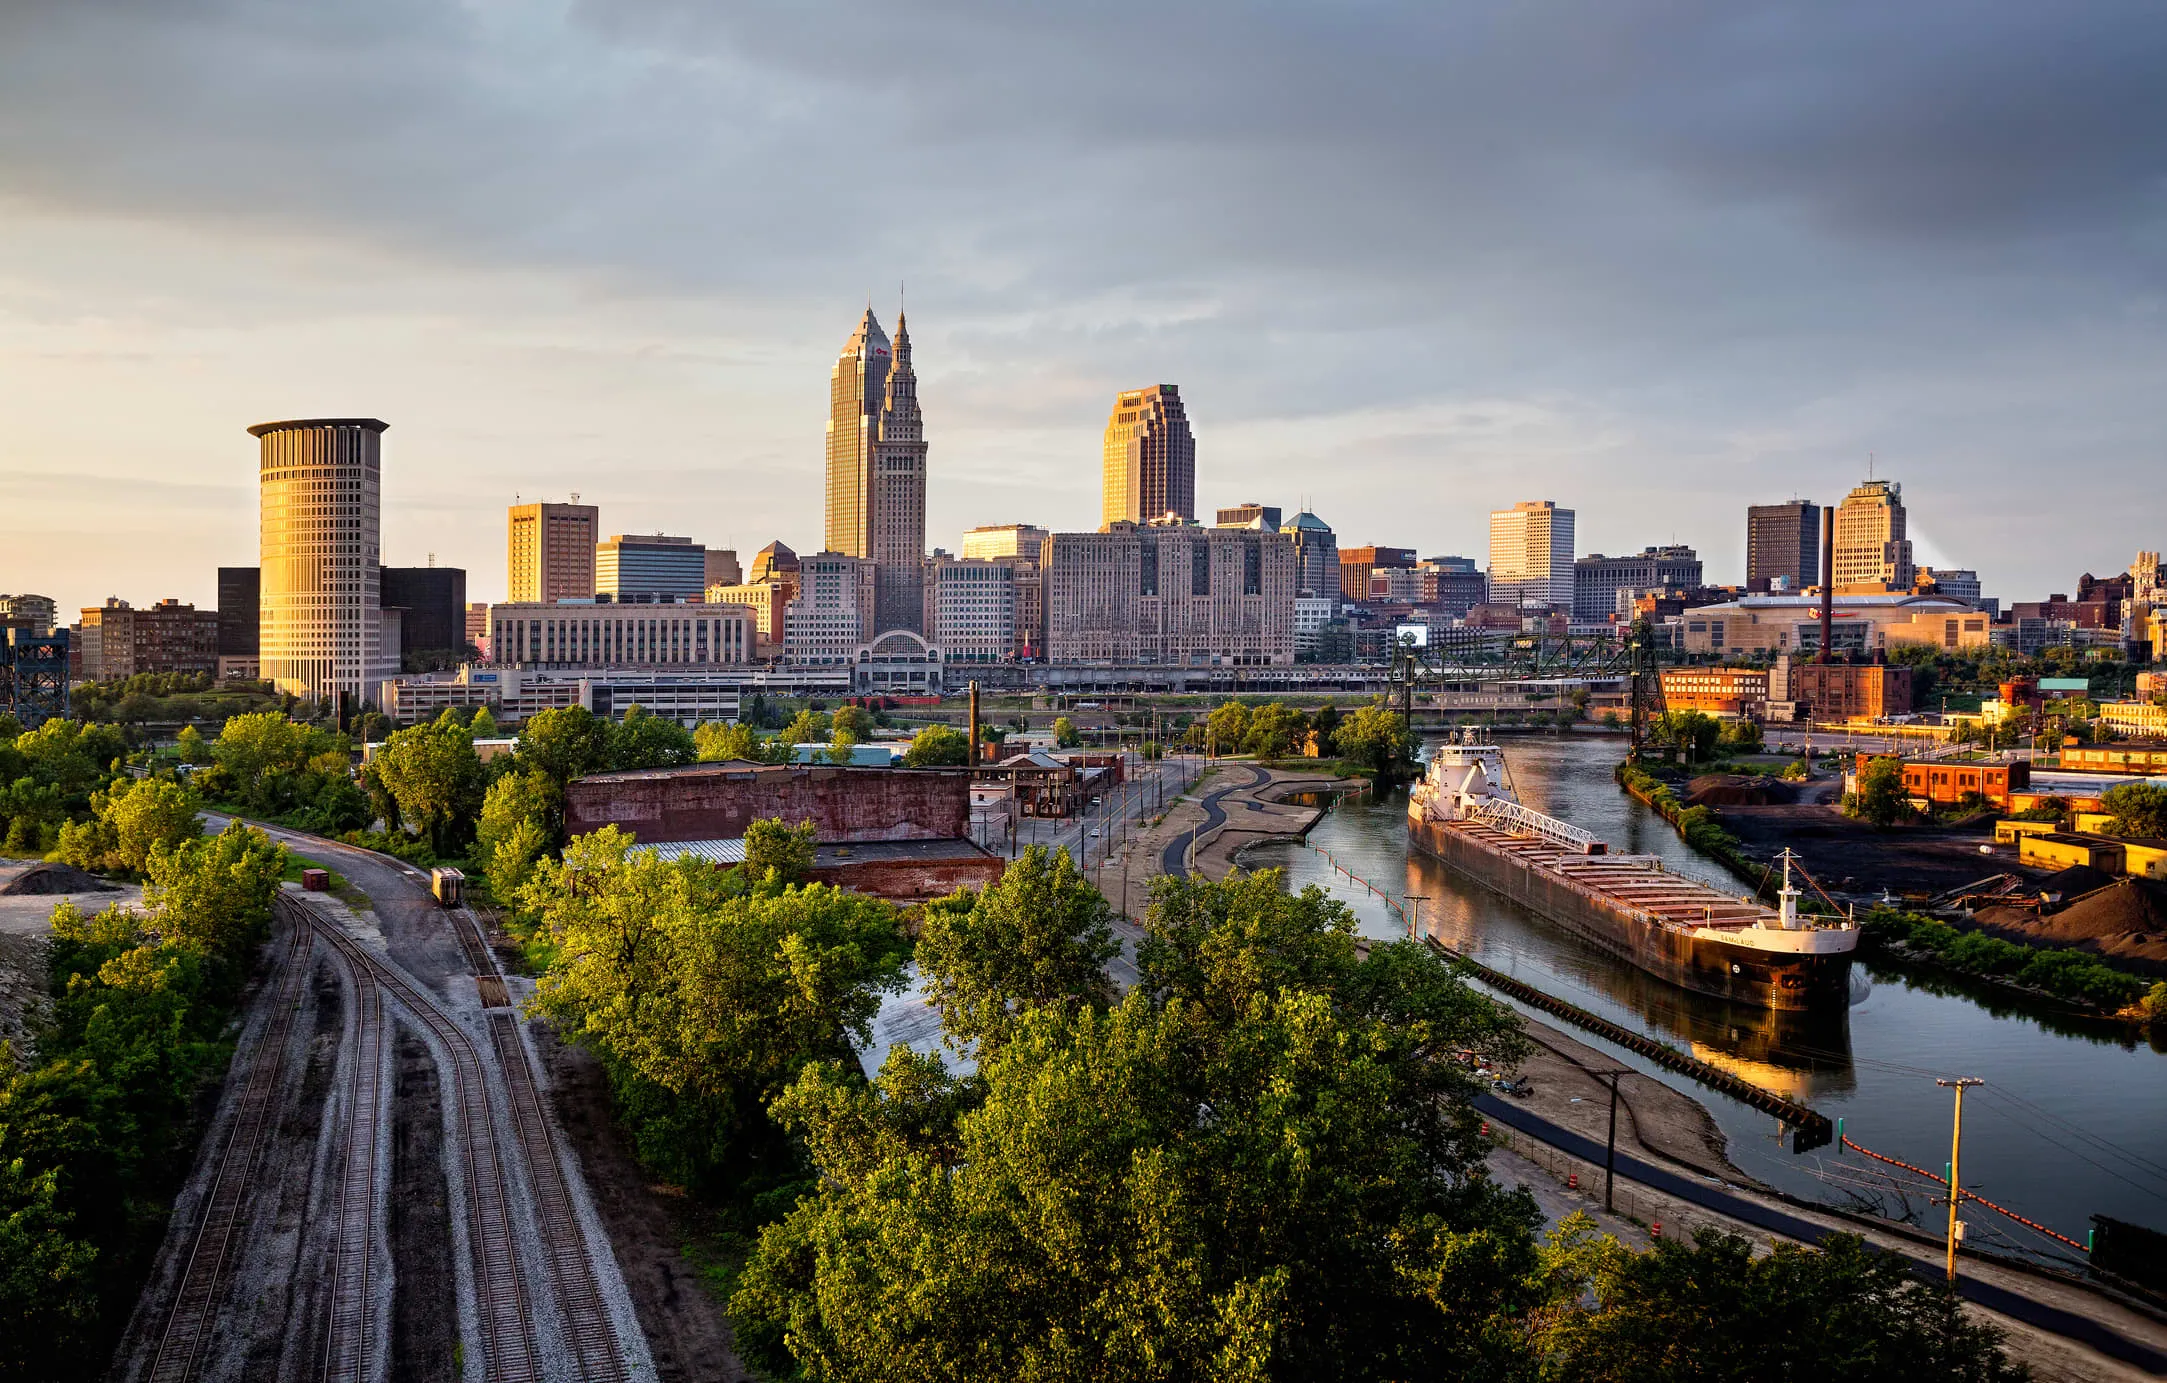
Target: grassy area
340,889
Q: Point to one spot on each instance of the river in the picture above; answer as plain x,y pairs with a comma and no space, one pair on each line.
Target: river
2072,1120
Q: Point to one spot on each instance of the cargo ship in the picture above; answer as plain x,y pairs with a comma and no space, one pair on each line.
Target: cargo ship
1464,814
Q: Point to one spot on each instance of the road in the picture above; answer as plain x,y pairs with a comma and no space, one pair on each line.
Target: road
1150,786
2053,1319
1175,861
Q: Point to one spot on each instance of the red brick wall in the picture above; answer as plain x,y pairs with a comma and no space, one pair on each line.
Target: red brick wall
708,803
913,881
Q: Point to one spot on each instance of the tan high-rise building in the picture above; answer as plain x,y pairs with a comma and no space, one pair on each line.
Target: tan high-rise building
549,550
877,470
1173,596
1149,458
1872,553
320,490
1531,556
1005,540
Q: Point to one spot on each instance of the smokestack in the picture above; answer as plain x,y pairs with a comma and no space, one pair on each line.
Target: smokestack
974,725
1828,579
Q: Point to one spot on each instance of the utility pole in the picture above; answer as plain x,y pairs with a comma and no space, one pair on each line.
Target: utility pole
1610,1150
1414,923
1956,1147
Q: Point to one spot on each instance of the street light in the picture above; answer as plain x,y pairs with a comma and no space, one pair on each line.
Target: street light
1610,1151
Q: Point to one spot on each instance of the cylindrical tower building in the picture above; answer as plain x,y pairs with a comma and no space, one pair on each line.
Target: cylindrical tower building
322,609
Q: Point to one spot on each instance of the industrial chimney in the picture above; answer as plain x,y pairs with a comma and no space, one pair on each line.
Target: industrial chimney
1828,580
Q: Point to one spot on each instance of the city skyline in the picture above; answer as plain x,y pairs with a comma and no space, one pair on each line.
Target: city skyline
1702,299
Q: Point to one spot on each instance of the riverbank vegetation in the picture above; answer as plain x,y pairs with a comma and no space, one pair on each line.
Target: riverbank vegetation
2077,977
1697,826
1370,740
98,1132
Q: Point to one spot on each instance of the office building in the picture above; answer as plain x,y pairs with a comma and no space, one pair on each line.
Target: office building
1759,625
1531,556
648,569
1872,552
530,634
240,614
117,640
831,616
1182,596
775,562
1958,583
1733,693
34,614
549,551
1149,458
723,568
1838,691
1264,516
1783,544
1312,614
320,490
1453,585
1316,555
1005,540
432,604
1358,564
876,479
971,609
477,625
768,601
1599,580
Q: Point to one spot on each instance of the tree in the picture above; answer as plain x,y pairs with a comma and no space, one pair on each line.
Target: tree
133,817
1377,739
565,743
807,727
1272,1187
842,750
483,726
1880,798
214,894
705,997
938,746
642,740
1713,1312
431,771
1742,736
190,745
517,827
717,741
2140,809
1695,733
1275,730
1064,733
1039,936
48,1289
856,721
1226,727
779,851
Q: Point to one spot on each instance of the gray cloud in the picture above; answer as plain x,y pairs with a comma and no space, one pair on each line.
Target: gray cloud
1657,260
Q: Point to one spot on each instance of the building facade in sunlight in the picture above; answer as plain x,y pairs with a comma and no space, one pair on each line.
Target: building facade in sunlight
877,470
1149,458
322,619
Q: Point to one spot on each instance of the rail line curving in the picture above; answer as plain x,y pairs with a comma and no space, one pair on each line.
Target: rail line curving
350,1340
201,1289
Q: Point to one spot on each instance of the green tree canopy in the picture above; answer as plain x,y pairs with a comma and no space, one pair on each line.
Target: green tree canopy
1064,733
774,849
432,772
191,746
1275,731
518,825
133,817
704,996
642,740
483,726
214,893
938,746
1880,798
1039,937
808,727
1713,1312
1273,1186
2140,809
716,741
1376,738
855,721
565,743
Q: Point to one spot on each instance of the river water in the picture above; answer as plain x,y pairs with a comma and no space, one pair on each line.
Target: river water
2072,1120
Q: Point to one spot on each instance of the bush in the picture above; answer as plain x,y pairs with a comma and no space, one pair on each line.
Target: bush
2073,975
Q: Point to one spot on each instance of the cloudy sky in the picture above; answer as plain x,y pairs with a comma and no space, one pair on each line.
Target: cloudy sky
1408,262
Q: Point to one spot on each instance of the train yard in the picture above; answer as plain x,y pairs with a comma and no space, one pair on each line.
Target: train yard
280,1261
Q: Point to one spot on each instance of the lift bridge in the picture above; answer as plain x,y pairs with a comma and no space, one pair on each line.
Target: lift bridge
1466,660
34,675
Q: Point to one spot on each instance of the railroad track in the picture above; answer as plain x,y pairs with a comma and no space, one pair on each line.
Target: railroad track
349,1346
203,1282
509,1341
588,1329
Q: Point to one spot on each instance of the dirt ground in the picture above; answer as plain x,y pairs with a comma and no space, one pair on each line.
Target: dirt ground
1853,858
684,1323
1653,1120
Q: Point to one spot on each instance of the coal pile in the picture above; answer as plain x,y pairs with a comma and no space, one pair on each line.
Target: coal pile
2126,921
1738,790
45,880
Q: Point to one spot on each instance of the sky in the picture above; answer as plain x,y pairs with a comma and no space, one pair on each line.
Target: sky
1408,262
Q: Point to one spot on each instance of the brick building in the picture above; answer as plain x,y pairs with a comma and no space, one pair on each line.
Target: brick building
1841,691
717,801
1730,692
118,640
1940,781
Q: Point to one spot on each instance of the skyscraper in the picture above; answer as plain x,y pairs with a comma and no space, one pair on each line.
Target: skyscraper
1316,556
644,569
1531,555
877,470
1150,458
1872,553
320,490
549,551
1783,540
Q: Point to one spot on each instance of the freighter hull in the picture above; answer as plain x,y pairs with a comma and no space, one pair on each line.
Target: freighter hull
1676,955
